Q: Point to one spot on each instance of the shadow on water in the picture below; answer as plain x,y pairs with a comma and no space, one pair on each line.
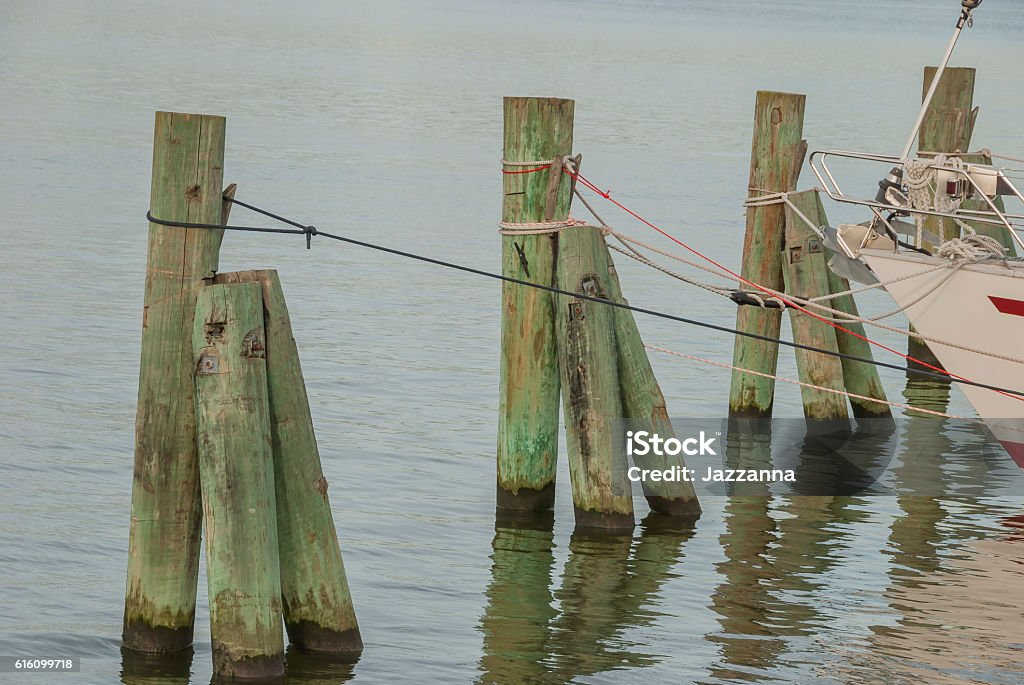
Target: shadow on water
610,584
302,668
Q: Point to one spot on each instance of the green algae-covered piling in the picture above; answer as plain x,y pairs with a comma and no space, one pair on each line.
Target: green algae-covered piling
776,157
163,546
237,475
806,276
591,395
643,402
536,130
317,604
859,378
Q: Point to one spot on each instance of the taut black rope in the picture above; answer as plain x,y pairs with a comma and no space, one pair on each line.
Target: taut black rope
310,231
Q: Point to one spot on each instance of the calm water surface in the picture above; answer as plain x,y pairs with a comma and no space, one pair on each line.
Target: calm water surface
383,120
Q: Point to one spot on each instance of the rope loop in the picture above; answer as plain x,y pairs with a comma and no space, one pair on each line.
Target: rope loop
538,227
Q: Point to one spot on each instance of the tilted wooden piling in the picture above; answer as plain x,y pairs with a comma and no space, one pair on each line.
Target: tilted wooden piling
317,603
163,546
775,161
859,378
806,275
591,395
237,475
643,402
536,129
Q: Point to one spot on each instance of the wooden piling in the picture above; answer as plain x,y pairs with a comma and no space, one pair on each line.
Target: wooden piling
947,127
317,603
806,276
949,122
163,546
643,401
591,395
237,476
859,378
536,129
776,157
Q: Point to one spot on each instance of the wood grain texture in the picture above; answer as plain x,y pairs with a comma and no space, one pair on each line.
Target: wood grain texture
860,378
236,468
643,404
806,275
317,603
163,547
535,129
591,395
775,160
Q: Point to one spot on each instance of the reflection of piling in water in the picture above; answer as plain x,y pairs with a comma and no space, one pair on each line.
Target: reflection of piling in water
515,624
765,556
605,591
318,668
148,668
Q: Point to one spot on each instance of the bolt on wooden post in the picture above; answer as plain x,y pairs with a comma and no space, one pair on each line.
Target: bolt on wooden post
317,603
237,475
163,546
536,129
775,161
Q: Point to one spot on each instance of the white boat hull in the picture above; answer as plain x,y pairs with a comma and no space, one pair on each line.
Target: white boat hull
980,306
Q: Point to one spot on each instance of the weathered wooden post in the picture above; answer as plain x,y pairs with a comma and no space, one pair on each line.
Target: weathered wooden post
806,275
317,604
163,546
775,161
591,394
859,378
536,129
643,401
237,476
947,127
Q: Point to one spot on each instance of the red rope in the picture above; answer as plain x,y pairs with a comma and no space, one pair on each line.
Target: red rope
606,194
525,171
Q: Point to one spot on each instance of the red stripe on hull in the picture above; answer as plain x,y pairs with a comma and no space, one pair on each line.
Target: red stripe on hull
1016,450
1008,306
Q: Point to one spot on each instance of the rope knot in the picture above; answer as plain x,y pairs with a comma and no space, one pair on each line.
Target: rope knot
310,231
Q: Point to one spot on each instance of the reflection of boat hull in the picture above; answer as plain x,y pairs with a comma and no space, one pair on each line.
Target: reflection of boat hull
980,306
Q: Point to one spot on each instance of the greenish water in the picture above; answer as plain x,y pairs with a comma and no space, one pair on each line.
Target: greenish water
383,121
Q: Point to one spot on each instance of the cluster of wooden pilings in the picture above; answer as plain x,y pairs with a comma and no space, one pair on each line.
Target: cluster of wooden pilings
556,346
224,436
782,252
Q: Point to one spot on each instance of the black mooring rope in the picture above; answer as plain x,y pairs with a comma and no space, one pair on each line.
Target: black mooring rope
310,231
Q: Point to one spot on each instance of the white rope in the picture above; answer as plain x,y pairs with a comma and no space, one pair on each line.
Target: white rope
836,315
961,251
538,162
971,248
834,391
538,227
